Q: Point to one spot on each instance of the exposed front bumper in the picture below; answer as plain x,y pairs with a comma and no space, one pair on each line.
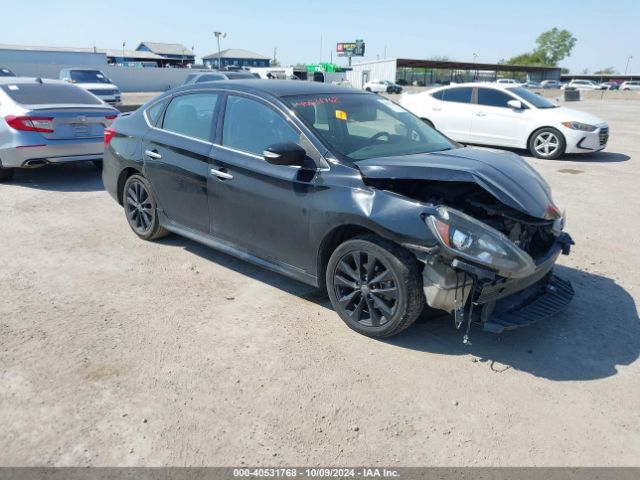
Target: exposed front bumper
499,303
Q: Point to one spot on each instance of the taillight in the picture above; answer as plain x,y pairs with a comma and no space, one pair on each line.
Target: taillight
109,119
30,124
109,133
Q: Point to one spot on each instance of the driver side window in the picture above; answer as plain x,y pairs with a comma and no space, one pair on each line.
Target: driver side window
251,126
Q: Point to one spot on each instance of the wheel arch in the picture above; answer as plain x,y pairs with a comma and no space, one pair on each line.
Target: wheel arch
122,179
332,240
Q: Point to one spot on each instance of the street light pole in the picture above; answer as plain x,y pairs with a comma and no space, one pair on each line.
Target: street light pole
627,67
218,35
123,45
475,57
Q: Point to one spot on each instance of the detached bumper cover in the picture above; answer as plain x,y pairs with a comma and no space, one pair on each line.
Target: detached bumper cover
541,300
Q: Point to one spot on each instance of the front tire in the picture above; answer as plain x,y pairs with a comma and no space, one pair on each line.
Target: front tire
375,286
6,174
547,143
140,208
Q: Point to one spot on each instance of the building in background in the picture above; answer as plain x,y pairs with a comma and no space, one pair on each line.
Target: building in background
172,54
132,58
36,55
236,57
435,72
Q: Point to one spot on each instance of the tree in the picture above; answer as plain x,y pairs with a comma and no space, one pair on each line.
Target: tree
606,71
555,45
585,71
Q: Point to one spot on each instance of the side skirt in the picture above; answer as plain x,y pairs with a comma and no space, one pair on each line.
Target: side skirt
217,244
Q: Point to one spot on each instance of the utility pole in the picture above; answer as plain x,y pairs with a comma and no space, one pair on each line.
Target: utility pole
275,57
218,35
627,67
124,44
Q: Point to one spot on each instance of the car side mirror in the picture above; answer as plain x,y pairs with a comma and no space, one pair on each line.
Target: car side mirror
285,153
515,104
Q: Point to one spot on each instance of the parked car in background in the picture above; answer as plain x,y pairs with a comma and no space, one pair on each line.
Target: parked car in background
583,85
630,85
611,85
508,81
5,72
217,76
497,115
93,81
49,121
551,84
345,191
382,86
532,85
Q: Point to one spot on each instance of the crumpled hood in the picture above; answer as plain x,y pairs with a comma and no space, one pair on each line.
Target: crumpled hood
505,175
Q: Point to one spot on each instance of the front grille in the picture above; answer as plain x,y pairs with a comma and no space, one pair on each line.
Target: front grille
604,135
103,92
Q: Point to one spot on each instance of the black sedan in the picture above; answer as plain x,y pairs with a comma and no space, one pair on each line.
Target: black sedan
347,191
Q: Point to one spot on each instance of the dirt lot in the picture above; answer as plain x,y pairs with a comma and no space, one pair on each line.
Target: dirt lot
114,351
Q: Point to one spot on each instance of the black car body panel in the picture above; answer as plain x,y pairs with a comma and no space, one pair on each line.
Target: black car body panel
500,173
289,218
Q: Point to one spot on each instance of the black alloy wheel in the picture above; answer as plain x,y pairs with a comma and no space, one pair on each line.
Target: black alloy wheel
140,209
375,286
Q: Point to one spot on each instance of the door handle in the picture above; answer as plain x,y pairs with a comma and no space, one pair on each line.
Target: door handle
153,154
481,114
221,174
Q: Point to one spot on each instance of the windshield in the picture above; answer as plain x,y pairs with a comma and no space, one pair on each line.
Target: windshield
361,126
88,76
533,98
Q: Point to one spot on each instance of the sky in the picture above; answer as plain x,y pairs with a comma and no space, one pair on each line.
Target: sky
307,31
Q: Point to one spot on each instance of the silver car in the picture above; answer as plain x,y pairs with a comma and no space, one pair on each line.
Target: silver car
49,121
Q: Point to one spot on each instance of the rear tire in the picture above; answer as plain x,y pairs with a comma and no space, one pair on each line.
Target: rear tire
140,208
6,174
547,143
375,286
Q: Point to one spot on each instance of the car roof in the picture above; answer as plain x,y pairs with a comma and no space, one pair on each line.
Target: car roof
22,80
277,88
497,86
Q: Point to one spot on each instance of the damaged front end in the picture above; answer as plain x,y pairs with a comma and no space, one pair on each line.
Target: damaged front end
502,279
492,264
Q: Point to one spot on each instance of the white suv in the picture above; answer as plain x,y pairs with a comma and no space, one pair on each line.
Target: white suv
508,81
584,85
94,81
630,85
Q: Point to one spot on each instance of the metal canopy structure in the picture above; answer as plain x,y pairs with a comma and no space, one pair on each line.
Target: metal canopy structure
449,65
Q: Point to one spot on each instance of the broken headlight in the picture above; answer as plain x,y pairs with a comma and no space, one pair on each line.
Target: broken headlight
473,240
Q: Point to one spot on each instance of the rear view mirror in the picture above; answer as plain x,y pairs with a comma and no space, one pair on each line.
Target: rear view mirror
363,113
286,153
515,104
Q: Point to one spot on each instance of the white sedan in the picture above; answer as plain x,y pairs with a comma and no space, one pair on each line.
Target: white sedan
504,116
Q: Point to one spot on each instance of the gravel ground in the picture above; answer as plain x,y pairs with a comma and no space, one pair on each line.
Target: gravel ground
115,351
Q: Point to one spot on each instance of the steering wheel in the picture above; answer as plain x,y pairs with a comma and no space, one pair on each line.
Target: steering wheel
381,134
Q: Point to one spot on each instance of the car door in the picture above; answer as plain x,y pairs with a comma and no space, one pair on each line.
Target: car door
493,122
451,112
258,207
176,158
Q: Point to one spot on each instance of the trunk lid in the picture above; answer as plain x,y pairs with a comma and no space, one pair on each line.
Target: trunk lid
74,122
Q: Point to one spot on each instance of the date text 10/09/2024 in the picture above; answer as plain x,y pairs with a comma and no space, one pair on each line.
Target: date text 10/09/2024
315,473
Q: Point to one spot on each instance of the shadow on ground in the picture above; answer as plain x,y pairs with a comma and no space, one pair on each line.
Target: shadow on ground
598,331
68,177
595,157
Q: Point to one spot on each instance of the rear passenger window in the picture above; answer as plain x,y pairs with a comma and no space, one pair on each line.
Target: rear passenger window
458,95
493,98
154,111
191,115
